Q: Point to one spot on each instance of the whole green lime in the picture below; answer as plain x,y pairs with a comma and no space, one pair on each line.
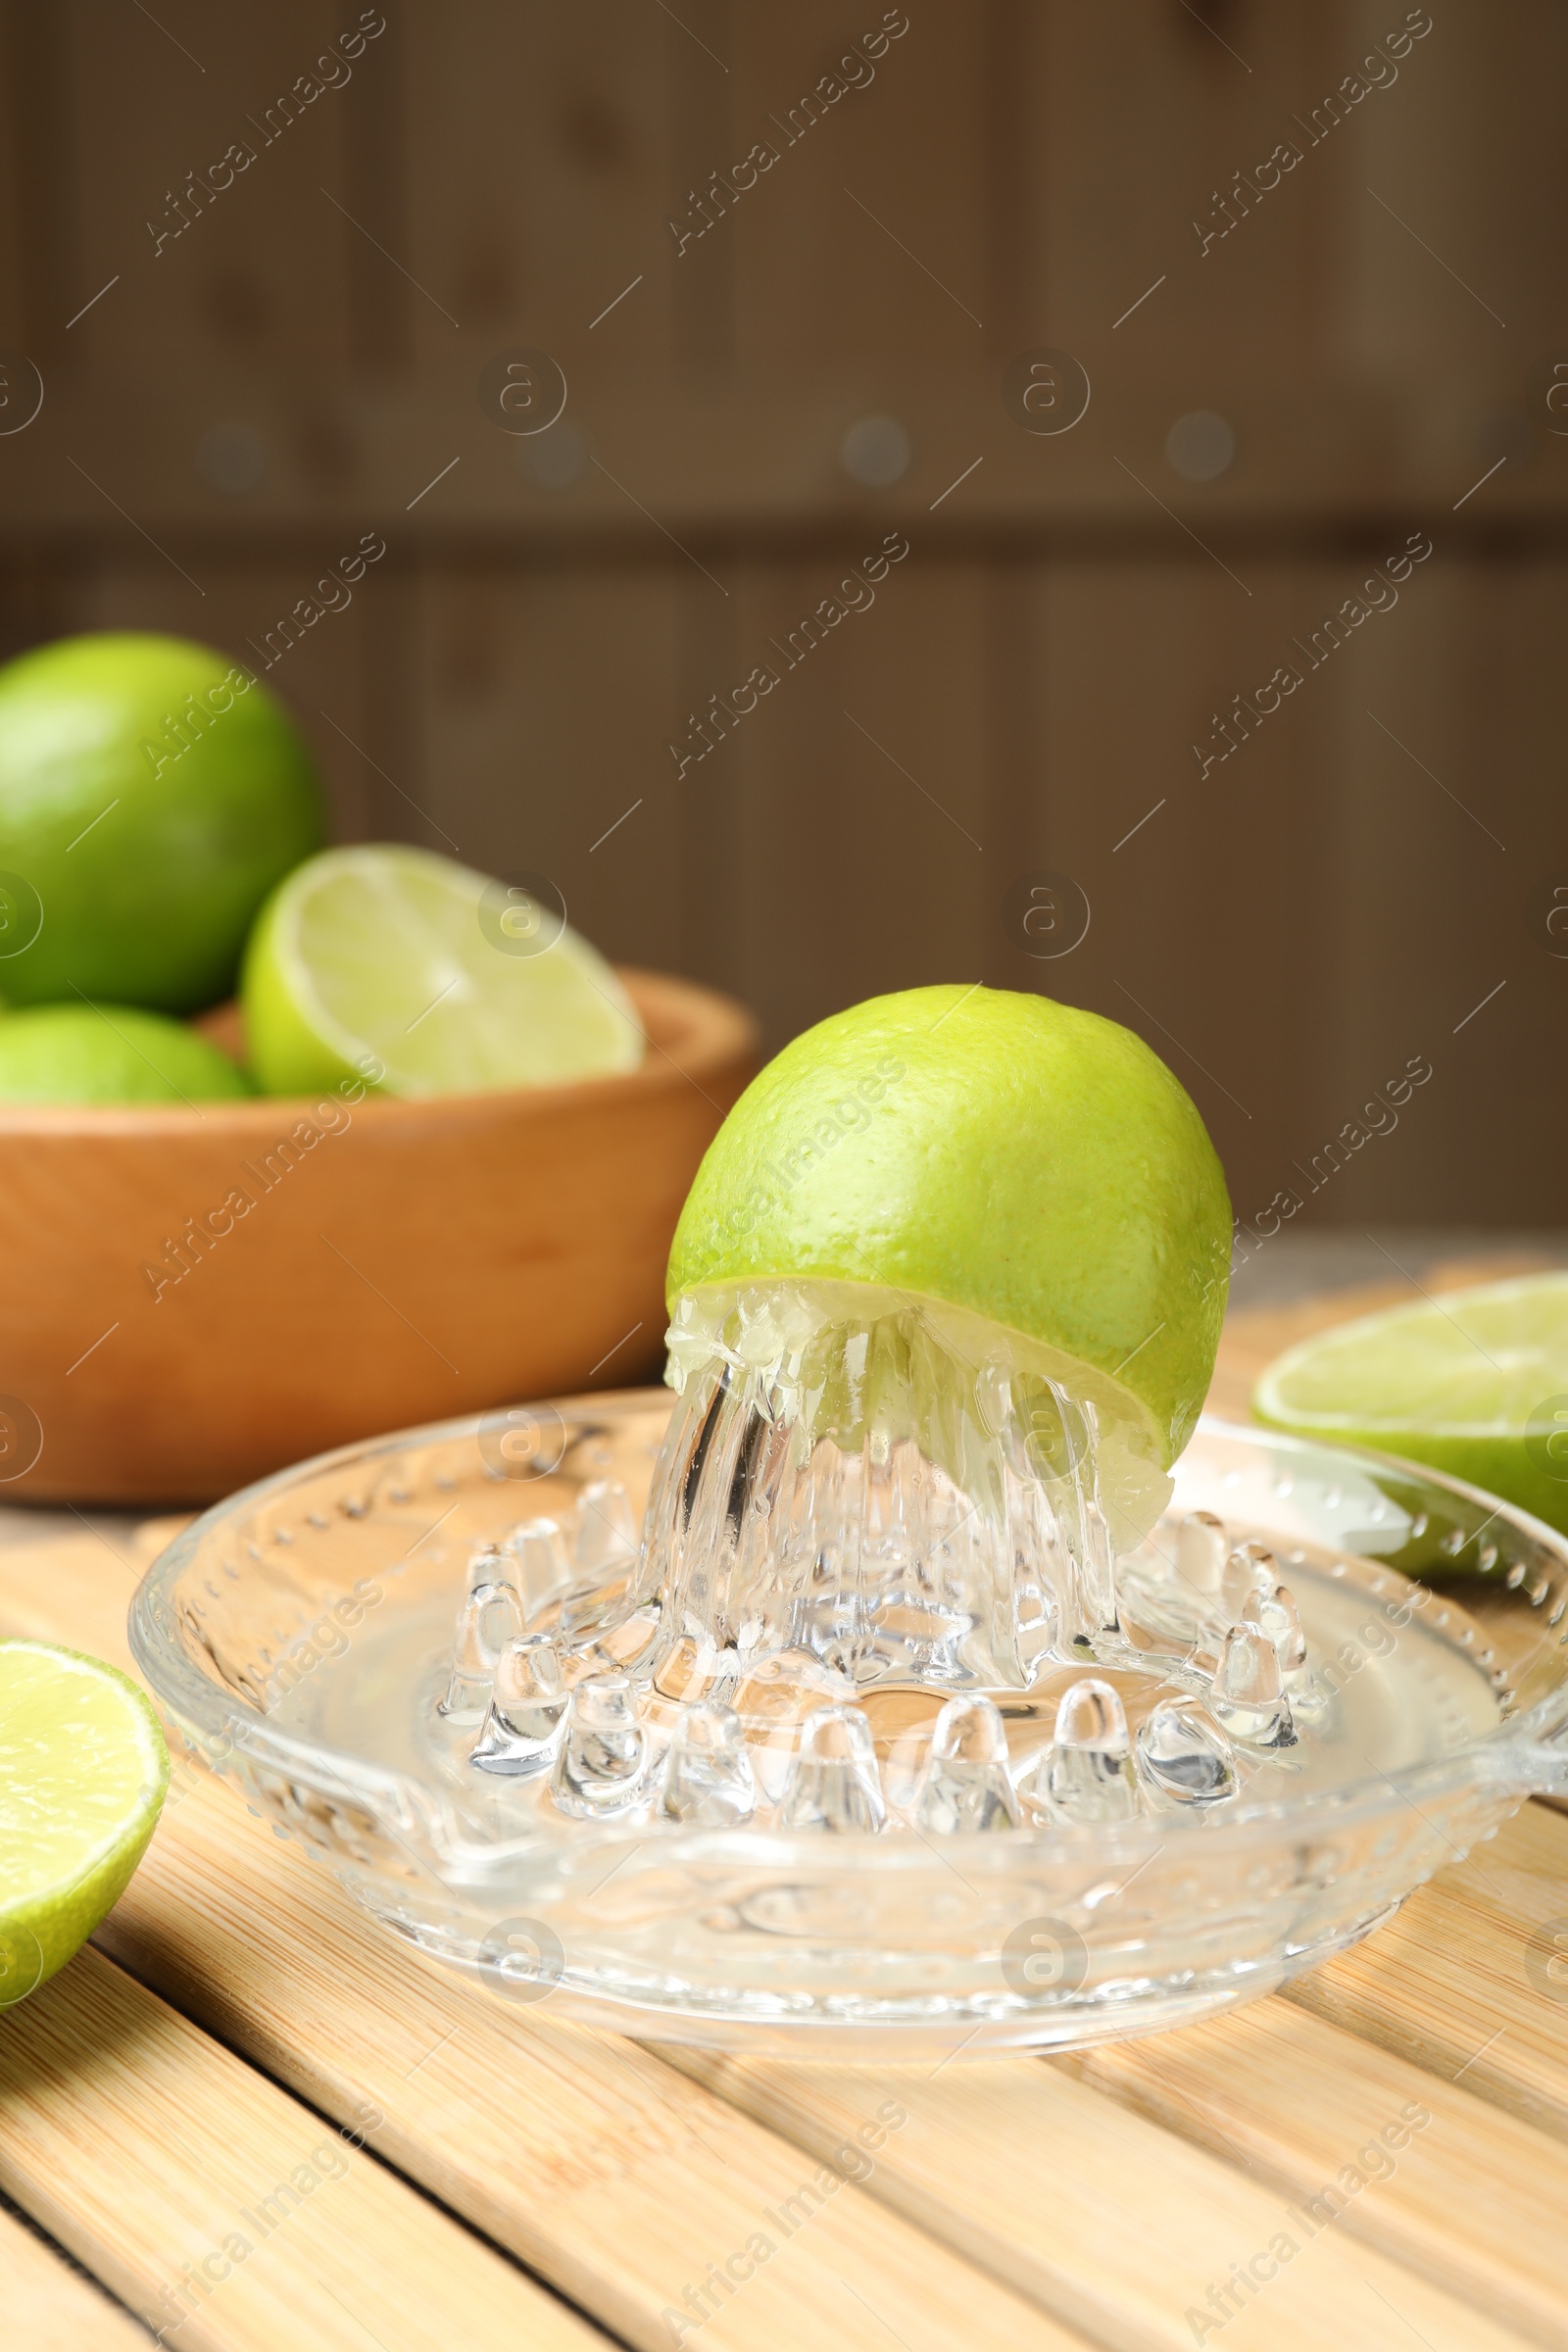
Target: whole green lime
1033,1163
110,1054
151,793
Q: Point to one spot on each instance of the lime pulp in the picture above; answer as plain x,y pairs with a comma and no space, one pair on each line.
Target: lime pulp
82,1774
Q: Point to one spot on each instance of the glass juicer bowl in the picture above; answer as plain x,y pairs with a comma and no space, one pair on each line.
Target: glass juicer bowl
862,1701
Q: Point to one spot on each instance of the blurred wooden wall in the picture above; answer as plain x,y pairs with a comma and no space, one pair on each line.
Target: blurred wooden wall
1289,928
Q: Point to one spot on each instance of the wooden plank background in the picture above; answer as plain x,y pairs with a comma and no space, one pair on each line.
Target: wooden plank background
237,405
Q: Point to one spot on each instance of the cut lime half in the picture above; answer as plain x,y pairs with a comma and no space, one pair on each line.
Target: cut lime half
1474,1383
82,1775
425,978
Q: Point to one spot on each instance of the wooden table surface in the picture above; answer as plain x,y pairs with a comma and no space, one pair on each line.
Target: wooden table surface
249,2119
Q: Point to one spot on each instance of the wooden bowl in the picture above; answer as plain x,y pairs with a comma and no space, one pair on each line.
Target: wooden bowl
193,1297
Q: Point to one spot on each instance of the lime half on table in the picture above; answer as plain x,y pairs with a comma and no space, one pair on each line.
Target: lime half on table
83,1773
1474,1383
428,978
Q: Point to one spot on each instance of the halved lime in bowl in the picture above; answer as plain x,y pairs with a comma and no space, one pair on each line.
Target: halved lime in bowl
1474,1383
426,978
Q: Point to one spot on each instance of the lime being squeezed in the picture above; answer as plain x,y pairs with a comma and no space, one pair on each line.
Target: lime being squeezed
973,1155
945,1300
955,1250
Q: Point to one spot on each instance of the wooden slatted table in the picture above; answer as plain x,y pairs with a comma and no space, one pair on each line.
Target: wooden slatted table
256,2121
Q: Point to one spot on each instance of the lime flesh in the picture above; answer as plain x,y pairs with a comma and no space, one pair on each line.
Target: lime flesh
423,977
82,1774
1030,1162
151,794
110,1054
1474,1383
